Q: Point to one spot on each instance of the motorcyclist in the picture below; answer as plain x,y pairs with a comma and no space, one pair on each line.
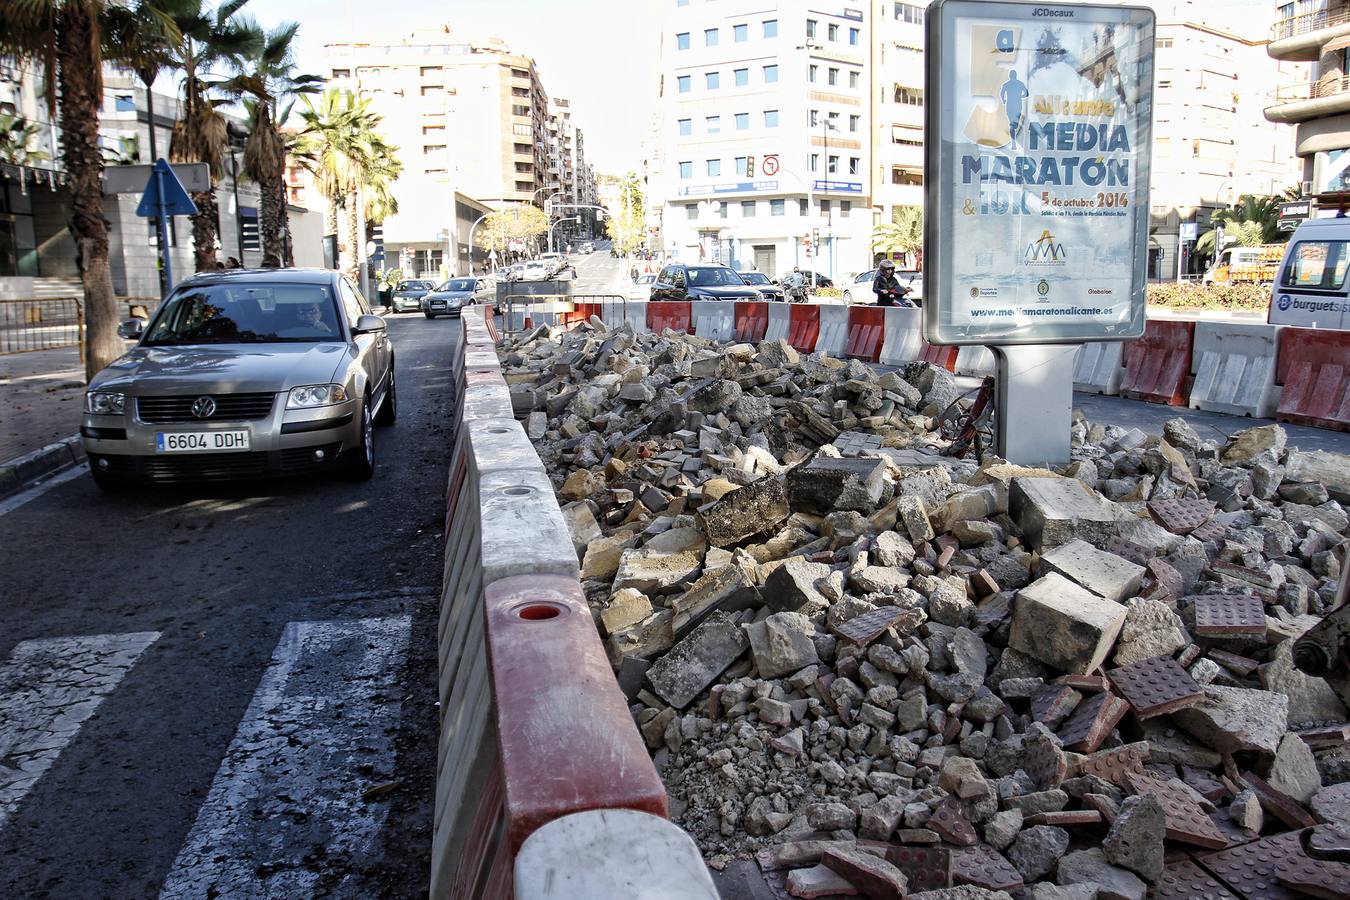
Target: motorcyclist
796,286
888,289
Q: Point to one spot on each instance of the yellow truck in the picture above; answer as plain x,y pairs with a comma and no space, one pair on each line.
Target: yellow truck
1246,265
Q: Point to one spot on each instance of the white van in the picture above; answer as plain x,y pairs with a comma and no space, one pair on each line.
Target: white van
1310,290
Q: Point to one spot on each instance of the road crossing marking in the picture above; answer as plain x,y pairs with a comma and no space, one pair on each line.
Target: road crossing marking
285,815
48,688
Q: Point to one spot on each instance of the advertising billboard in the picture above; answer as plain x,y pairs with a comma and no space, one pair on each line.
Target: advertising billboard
1040,123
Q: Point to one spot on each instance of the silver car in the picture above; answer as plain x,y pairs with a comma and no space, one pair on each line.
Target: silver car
451,297
244,373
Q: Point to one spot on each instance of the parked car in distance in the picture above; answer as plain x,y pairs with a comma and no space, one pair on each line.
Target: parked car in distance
449,299
408,295
588,247
244,373
760,282
553,262
681,281
640,289
535,270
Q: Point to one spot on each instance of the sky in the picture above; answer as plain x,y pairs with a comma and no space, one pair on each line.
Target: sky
600,54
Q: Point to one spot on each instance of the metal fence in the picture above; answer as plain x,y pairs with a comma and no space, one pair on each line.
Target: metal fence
520,312
1293,26
28,325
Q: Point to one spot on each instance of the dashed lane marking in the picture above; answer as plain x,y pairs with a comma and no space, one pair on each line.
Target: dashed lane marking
48,688
285,816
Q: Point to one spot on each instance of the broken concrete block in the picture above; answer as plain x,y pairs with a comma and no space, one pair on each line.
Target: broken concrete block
603,555
1054,511
1151,629
1332,470
758,508
730,588
818,881
1063,625
792,587
626,608
1037,849
1091,867
1310,699
649,571
1102,573
693,663
782,644
913,515
1232,719
581,525
1135,841
1294,770
826,485
874,876
1248,447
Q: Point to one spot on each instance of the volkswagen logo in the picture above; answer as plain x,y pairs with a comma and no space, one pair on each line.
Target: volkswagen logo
204,407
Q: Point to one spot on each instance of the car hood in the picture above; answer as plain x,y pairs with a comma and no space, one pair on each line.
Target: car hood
448,295
222,368
744,292
411,292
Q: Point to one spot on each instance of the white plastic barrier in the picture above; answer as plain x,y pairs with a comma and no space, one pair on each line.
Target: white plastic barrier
975,360
903,338
615,314
833,330
636,313
780,317
1235,369
714,319
1099,368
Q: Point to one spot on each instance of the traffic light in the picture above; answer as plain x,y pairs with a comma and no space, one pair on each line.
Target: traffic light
815,235
806,240
749,167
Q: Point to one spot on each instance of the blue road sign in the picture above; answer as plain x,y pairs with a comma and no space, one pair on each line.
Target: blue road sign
164,194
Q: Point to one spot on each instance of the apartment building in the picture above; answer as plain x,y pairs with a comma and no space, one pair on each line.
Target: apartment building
568,170
897,103
765,133
1316,35
1212,141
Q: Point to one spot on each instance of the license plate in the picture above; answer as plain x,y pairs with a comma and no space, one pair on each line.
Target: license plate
201,441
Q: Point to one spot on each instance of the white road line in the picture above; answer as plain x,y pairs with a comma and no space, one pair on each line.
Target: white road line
285,815
48,689
37,490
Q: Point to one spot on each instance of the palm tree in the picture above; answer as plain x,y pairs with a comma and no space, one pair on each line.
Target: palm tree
375,162
380,201
65,38
271,79
904,234
1254,219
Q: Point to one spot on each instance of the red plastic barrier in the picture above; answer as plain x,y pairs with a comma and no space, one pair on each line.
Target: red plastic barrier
490,315
1313,364
557,700
1158,365
672,314
804,327
581,312
939,356
866,328
752,320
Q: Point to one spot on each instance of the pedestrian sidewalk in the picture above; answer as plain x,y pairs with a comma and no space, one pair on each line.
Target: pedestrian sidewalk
41,394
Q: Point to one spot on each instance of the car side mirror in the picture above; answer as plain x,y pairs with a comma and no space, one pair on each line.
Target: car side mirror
131,329
368,324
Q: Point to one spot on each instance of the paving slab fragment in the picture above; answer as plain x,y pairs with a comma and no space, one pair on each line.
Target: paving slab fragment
1063,625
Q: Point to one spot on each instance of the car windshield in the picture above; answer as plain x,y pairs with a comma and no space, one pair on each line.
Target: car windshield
415,286
713,276
249,313
755,277
457,284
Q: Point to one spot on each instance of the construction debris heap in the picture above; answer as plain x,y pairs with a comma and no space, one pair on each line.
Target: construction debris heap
874,669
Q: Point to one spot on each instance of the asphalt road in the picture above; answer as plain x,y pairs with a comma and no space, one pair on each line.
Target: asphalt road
229,691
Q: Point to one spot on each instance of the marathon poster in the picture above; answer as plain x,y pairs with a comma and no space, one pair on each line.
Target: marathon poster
1046,126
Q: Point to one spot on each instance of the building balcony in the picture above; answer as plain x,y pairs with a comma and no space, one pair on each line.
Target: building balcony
1311,100
1302,38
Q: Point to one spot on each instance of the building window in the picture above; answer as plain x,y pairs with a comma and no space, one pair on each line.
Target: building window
691,211
748,209
815,117
770,118
740,165
811,72
832,165
714,124
435,131
682,41
824,207
909,96
522,131
714,168
524,168
854,165
713,80
742,121
722,210
427,70
832,76
845,207
1164,43
834,121
740,33
687,169
854,122
777,207
710,37
432,90
907,134
524,186
429,149
771,28
815,162
854,79
520,92
520,73
124,103
742,77
770,74
904,12
801,208
810,28
853,37
1164,85
684,84
342,73
905,176
832,32
686,127
519,110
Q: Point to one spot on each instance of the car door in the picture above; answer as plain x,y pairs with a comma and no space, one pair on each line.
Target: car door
661,287
373,349
679,289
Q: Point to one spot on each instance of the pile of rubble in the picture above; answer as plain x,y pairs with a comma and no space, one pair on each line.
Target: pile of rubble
879,670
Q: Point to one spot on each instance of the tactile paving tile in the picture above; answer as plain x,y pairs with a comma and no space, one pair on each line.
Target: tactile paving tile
1156,686
1184,880
1226,616
1186,822
864,629
1164,579
1065,817
1317,877
1135,553
1235,833
1092,684
1205,784
1181,516
1113,765
1239,665
925,868
1051,703
1326,736
1254,577
1091,722
1213,530
949,820
1249,870
983,866
1279,804
1045,763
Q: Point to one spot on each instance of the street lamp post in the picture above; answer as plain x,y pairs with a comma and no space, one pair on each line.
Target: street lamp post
825,129
555,225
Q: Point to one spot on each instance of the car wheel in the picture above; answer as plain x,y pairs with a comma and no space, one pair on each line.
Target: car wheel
429,315
105,481
389,409
361,458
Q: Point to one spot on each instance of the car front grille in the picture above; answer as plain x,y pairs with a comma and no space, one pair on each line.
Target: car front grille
205,466
229,408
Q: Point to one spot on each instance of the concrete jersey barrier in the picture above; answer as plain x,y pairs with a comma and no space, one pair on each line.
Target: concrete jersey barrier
833,337
1235,369
902,339
780,320
1099,368
714,319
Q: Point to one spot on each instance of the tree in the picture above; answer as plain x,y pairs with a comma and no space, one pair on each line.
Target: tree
270,80
1254,219
627,225
903,234
16,139
523,222
65,37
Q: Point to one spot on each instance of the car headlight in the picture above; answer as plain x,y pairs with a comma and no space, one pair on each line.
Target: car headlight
104,403
309,396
